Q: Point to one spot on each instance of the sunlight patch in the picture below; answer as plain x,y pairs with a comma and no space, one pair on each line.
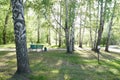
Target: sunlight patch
2,63
10,54
55,71
59,62
114,71
66,77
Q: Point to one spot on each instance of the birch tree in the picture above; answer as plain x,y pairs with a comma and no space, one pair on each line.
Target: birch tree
20,37
102,20
110,27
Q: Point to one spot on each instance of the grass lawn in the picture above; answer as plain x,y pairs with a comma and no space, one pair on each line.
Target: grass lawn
57,65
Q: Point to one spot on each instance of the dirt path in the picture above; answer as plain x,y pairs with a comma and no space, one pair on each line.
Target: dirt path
114,48
111,48
7,49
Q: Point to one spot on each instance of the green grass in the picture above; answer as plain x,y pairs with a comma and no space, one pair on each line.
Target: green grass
57,65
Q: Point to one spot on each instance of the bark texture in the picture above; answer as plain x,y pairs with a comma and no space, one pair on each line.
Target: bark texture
20,37
67,36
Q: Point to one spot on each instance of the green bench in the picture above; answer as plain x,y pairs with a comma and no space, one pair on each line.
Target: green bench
36,46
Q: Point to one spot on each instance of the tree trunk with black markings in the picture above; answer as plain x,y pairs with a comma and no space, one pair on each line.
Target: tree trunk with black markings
20,37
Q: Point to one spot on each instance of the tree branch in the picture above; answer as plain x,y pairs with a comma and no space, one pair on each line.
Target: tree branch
56,19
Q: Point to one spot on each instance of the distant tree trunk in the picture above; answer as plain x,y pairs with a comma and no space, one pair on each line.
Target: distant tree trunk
95,40
72,25
91,40
5,26
80,38
108,37
82,29
60,32
56,36
102,20
80,32
38,35
20,37
67,36
73,37
60,39
49,37
110,28
96,30
38,31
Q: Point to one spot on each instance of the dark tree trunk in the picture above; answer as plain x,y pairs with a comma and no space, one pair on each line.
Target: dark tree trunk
49,37
4,29
60,34
5,26
73,38
67,36
96,30
38,31
102,19
91,39
108,37
38,35
60,40
80,38
56,40
80,30
67,40
110,28
20,37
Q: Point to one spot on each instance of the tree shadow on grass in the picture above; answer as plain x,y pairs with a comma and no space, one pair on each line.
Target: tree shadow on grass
18,77
112,56
83,65
7,64
2,53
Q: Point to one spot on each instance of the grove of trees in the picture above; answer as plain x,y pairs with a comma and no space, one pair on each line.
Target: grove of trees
64,23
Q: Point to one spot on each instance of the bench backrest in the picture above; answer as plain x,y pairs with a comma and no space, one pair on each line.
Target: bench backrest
36,46
39,46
